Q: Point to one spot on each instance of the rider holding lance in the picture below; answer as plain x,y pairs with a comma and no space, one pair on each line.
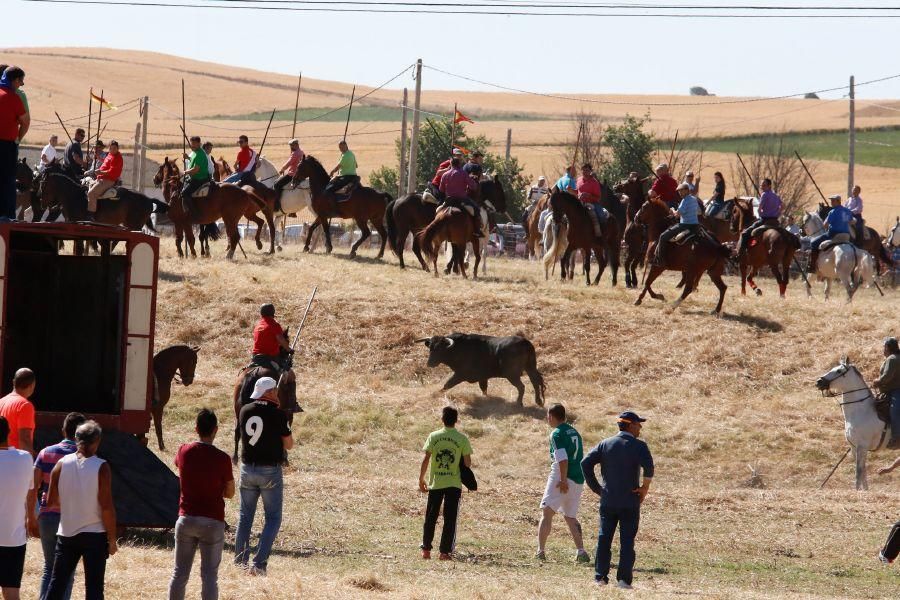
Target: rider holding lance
769,212
589,193
665,185
269,340
837,223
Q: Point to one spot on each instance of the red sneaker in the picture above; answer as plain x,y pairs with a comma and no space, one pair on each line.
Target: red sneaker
426,554
444,556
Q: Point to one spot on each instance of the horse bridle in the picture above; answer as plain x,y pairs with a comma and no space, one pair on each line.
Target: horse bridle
827,393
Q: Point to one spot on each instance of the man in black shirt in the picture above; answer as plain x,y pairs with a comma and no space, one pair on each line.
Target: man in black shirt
265,436
74,159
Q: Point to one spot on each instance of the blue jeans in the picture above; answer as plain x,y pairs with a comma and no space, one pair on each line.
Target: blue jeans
9,156
48,523
627,519
259,481
93,550
191,533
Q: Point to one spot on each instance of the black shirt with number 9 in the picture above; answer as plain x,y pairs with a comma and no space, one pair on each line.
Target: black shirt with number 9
262,426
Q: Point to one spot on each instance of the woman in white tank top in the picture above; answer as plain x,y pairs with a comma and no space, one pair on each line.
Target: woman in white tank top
78,492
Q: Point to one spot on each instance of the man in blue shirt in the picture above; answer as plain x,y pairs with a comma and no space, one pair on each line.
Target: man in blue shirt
688,214
621,458
566,183
837,225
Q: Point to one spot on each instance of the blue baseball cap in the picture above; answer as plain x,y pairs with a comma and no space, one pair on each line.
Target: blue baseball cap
630,417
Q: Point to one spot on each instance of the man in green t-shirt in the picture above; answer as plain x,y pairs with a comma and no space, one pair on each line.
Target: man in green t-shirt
445,449
197,172
346,170
565,484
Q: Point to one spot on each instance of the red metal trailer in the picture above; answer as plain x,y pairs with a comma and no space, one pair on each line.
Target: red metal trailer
84,324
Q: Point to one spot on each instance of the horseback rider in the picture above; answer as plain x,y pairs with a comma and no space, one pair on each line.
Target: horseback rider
717,202
889,383
689,179
289,168
196,174
347,174
688,220
589,194
770,206
666,186
434,185
533,195
456,185
99,155
106,177
567,182
244,164
475,163
210,161
73,157
836,223
855,205
269,340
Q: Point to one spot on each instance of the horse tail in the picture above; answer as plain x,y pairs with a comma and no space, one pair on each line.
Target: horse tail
391,225
537,380
428,236
210,231
149,225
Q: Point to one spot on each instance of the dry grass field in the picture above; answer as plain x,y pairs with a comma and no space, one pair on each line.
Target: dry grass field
722,395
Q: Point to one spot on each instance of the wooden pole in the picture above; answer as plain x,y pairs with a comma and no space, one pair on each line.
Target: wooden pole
90,116
63,126
135,157
99,118
835,468
349,110
263,145
414,139
803,164
508,143
672,153
851,155
749,176
401,180
183,124
296,106
453,129
577,142
143,164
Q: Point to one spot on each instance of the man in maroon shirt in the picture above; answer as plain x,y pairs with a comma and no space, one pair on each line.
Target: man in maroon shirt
434,185
456,185
666,186
206,480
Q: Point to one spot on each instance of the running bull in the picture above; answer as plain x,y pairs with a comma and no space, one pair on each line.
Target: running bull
477,358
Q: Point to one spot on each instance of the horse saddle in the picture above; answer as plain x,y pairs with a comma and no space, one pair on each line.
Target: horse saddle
883,407
684,237
110,194
345,191
429,198
723,213
203,190
837,240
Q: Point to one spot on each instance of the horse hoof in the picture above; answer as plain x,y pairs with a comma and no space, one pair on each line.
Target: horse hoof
758,292
328,250
306,249
279,248
637,302
353,255
259,246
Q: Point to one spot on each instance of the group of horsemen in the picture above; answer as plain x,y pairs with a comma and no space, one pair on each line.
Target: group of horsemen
685,205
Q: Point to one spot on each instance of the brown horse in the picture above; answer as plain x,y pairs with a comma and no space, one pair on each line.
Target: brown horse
533,234
409,214
691,258
26,192
222,170
773,247
175,362
581,236
633,189
365,206
635,242
287,395
724,229
267,196
227,202
452,225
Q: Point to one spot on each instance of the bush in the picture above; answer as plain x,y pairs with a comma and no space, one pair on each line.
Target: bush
385,179
811,96
699,91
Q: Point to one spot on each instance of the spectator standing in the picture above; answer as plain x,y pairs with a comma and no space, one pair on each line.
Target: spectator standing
445,449
19,411
81,487
206,480
265,437
48,517
621,458
16,513
14,123
565,484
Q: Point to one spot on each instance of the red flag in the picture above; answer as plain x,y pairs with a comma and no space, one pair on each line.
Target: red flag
460,118
103,101
461,149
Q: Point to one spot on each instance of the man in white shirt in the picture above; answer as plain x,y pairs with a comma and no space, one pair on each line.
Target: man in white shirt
49,153
17,516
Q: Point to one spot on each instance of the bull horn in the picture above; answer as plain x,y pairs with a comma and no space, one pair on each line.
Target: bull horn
450,342
421,340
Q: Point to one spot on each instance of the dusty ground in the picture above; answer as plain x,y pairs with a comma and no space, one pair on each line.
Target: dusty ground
722,395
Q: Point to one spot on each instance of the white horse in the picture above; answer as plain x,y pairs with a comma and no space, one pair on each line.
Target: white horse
293,200
555,241
853,266
893,238
863,429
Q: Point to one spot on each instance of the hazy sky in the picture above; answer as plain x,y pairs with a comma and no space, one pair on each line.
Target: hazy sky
758,56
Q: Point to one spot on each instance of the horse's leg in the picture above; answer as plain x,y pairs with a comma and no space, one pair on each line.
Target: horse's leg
476,249
163,394
459,257
752,281
655,272
382,233
189,236
689,278
743,278
417,250
601,264
259,223
365,233
715,273
269,214
862,482
563,262
234,238
326,229
309,233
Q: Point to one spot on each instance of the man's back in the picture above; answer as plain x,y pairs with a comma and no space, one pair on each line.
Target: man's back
19,411
447,447
263,425
16,472
205,471
838,220
620,458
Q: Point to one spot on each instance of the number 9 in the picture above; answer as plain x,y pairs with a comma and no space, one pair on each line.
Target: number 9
254,429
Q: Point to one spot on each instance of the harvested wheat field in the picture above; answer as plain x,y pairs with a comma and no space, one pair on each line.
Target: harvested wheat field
726,398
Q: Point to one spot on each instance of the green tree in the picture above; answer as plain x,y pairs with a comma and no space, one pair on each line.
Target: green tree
514,182
630,148
384,179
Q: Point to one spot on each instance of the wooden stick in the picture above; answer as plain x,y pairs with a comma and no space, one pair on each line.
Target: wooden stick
672,152
452,129
297,105
63,125
99,117
835,468
349,110
577,142
90,115
749,176
263,145
803,164
184,124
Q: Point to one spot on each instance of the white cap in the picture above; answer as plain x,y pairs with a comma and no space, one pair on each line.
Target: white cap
457,152
835,197
662,166
684,186
689,174
263,385
294,141
542,178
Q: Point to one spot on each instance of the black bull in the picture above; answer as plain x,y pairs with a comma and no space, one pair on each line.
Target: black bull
477,358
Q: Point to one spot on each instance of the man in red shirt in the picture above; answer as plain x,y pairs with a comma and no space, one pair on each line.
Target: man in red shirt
19,411
206,480
589,193
244,164
107,176
666,186
269,340
14,122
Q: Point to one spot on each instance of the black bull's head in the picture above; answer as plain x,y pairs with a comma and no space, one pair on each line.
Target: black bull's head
438,348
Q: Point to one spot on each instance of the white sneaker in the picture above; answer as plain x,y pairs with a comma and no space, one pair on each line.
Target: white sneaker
623,586
257,571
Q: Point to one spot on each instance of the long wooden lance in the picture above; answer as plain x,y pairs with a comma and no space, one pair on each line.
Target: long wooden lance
453,129
303,320
183,122
90,116
803,164
577,143
672,152
63,125
349,110
99,118
296,105
263,145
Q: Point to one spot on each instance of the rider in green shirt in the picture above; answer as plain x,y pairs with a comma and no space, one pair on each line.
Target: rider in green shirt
346,168
197,173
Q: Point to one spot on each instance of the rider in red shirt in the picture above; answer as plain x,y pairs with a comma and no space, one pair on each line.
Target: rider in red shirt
269,339
589,193
666,186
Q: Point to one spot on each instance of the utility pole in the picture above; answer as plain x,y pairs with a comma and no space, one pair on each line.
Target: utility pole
508,143
414,141
401,183
134,156
143,164
851,156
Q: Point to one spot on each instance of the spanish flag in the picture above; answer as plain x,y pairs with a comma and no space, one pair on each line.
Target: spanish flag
460,118
103,101
461,149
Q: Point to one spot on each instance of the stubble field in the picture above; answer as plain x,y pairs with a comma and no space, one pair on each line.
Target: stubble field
722,396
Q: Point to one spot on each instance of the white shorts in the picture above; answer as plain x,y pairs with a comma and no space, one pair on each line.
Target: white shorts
555,500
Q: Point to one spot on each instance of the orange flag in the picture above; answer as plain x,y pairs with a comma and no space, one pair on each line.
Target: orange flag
460,118
103,101
461,149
